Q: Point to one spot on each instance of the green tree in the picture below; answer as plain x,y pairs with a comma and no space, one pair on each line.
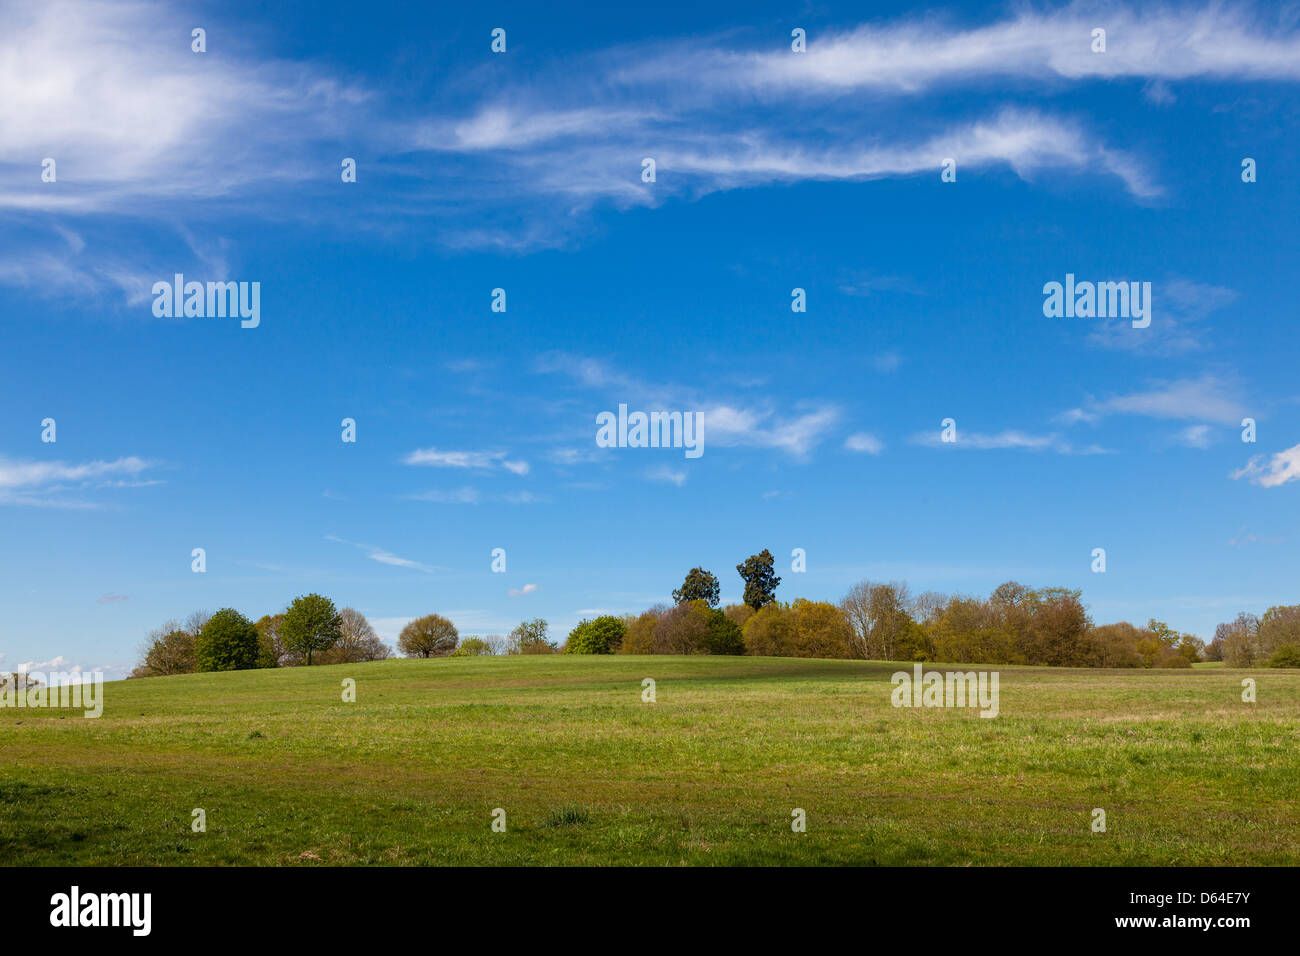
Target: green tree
700,585
170,649
530,637
227,642
272,652
725,635
429,636
760,579
311,624
474,647
1286,655
602,635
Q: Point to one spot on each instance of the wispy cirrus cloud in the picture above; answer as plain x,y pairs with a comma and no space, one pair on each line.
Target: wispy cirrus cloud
918,53
1177,324
139,124
864,442
797,430
1008,439
384,556
48,483
1209,398
480,460
1272,471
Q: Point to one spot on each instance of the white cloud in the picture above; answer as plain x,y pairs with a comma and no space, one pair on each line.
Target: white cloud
1008,439
45,483
113,93
481,460
672,476
1195,436
864,442
1208,398
526,589
1179,308
110,598
384,556
1282,467
729,423
910,56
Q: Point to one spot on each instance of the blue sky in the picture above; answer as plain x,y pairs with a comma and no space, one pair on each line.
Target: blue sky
774,170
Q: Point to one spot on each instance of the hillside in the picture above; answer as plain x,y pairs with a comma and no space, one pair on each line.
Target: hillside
588,773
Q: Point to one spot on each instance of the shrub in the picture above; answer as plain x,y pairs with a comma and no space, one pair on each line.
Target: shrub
1287,655
602,635
227,642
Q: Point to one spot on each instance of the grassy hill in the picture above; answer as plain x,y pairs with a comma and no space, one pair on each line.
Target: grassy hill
709,774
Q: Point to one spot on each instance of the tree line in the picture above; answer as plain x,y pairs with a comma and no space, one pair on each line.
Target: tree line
312,631
1015,624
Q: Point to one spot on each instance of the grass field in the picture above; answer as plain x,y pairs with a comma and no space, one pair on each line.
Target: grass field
709,774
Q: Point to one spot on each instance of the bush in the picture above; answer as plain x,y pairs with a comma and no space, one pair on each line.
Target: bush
1287,655
604,635
474,647
227,642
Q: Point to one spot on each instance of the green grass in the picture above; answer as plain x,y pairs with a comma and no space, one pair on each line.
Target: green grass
709,774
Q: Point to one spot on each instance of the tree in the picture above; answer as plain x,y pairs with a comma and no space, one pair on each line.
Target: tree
474,647
1279,625
700,585
357,641
725,635
429,636
683,629
227,642
760,579
169,650
1239,640
1115,645
1286,655
820,630
770,632
603,635
877,615
640,636
272,652
530,637
310,624
1057,626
